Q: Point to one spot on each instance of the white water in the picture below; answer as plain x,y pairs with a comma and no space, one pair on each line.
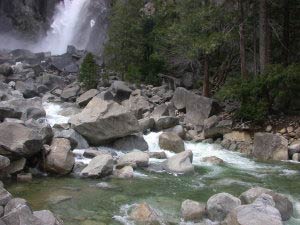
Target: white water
63,29
53,114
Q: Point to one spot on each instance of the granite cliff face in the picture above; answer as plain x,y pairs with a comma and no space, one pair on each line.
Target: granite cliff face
28,18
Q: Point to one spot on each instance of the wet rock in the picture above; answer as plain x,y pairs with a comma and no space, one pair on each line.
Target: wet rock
77,141
192,210
47,217
134,159
213,160
165,122
143,213
103,121
219,205
171,141
146,124
70,92
100,166
86,97
261,212
4,162
180,163
130,143
19,140
60,160
270,147
125,172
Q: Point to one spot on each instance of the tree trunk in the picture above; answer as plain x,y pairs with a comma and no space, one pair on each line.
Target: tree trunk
264,36
206,77
286,32
242,41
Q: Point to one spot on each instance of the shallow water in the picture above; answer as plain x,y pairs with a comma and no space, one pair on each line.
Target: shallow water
90,205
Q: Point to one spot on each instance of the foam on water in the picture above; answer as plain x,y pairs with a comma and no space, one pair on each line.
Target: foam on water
79,158
52,114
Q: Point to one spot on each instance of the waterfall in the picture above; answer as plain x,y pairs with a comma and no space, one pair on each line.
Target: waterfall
68,17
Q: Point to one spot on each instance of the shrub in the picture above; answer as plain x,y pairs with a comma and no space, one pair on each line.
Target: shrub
89,72
274,91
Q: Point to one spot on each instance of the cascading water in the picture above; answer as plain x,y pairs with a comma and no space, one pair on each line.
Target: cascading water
67,19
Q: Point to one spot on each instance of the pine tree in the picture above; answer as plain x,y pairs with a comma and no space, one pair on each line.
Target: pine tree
88,72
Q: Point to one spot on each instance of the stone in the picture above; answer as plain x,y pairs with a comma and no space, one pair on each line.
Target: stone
269,128
24,177
18,140
86,97
28,88
161,110
281,202
92,153
238,136
4,162
135,159
100,166
22,109
192,210
102,121
261,212
14,203
60,160
290,129
6,69
296,157
124,173
157,155
47,217
219,205
57,199
77,141
270,147
143,213
70,92
16,166
213,128
294,147
121,90
165,122
171,141
146,124
5,197
106,96
213,160
180,163
178,129
138,105
52,81
131,142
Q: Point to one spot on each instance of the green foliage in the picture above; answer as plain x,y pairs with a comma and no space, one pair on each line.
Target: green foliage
89,72
270,92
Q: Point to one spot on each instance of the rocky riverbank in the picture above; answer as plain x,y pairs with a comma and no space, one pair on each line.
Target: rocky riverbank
115,116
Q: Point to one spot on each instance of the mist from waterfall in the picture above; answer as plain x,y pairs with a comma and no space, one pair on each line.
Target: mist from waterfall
68,17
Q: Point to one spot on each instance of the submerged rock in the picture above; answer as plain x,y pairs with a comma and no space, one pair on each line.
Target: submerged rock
171,141
103,121
213,160
180,163
143,213
125,172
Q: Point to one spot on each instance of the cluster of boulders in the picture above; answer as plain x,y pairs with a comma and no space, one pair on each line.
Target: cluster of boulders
17,211
256,206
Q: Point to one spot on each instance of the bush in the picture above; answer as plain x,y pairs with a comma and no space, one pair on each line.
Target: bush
274,91
89,72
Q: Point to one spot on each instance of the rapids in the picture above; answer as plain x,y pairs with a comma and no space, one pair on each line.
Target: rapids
90,205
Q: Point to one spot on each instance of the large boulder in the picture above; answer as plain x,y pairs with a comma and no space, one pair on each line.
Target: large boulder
192,210
22,109
86,97
70,92
282,203
4,162
60,159
77,141
261,212
51,81
219,205
5,196
171,141
165,122
180,163
19,140
121,90
102,121
214,127
28,88
135,159
198,108
130,143
47,217
100,166
270,147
